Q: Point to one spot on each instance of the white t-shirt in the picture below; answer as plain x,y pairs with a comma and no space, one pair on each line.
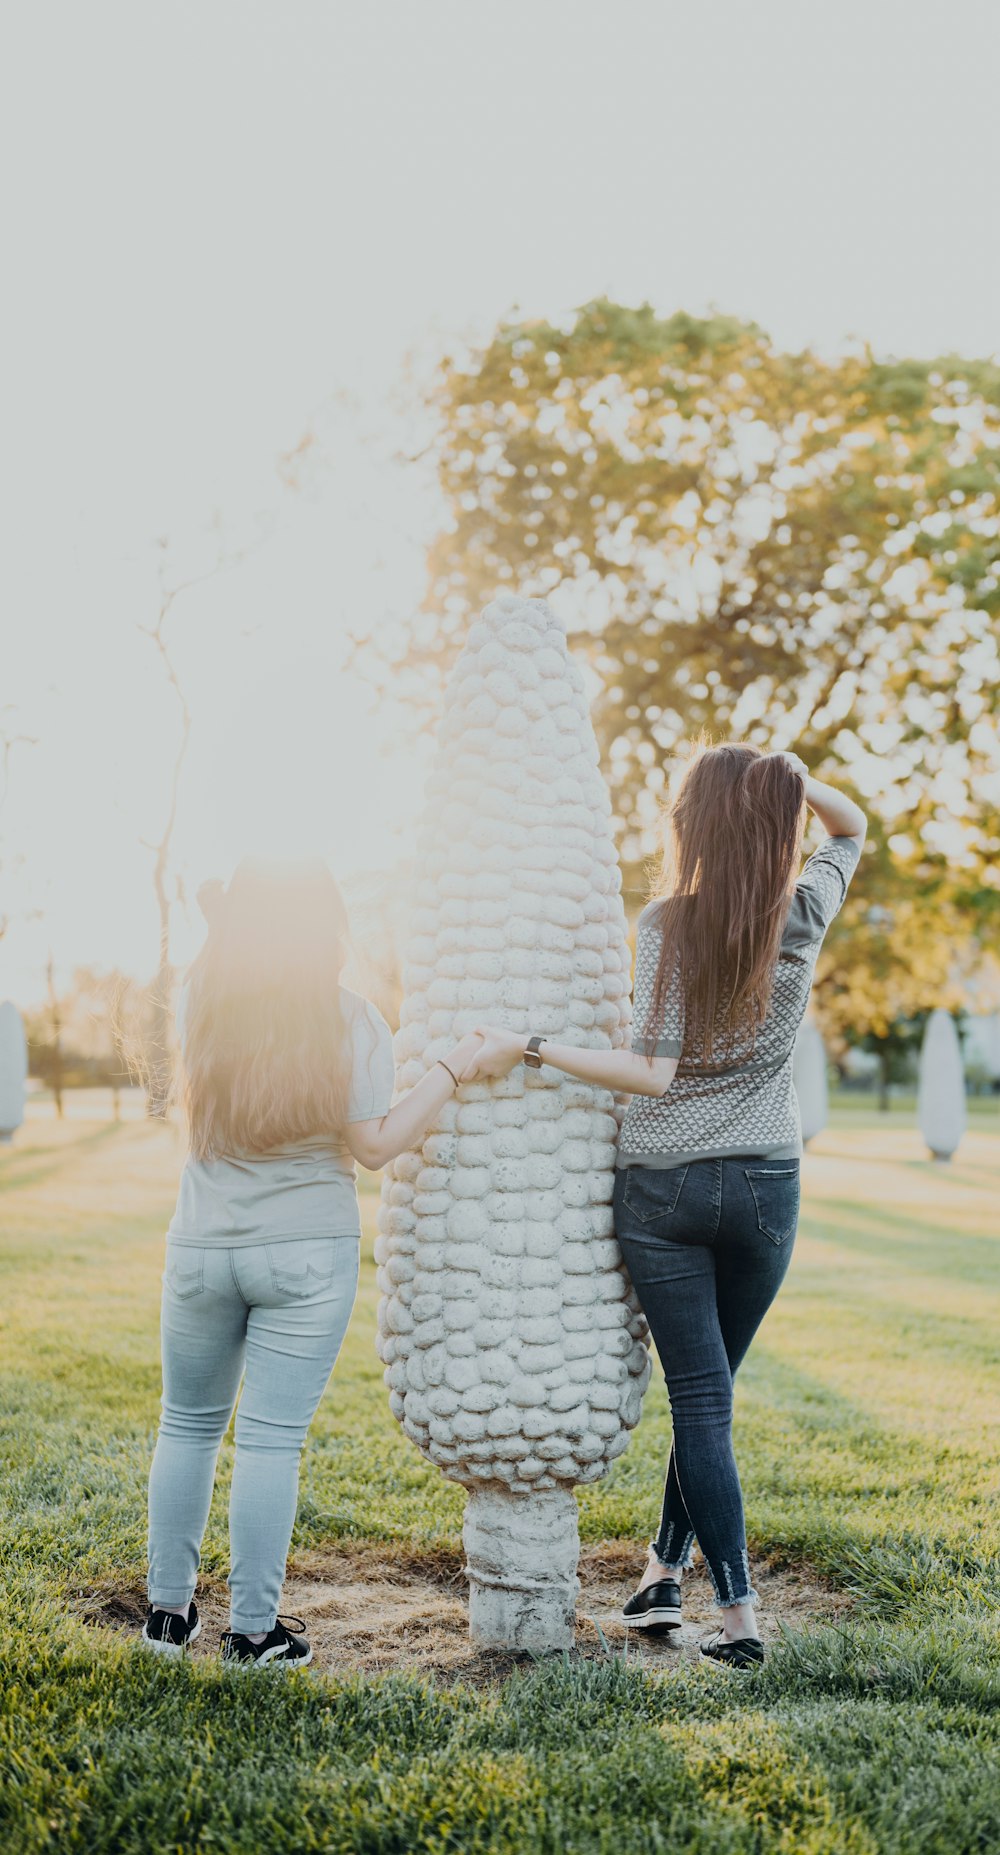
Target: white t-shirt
305,1189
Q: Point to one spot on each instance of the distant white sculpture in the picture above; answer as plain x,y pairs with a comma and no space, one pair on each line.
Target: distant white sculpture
941,1095
809,1078
13,1070
981,1045
516,1354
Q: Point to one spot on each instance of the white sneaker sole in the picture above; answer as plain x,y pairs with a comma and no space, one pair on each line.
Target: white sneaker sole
173,1650
668,1619
275,1656
272,1658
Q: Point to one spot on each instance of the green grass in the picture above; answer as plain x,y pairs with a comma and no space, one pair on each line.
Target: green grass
859,1108
866,1436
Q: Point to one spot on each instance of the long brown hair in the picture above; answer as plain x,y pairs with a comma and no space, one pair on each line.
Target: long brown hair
732,847
265,1045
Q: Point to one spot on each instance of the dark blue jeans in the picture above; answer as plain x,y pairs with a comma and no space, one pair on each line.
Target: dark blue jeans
707,1247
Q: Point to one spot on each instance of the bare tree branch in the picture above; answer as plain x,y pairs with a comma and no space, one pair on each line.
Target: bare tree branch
158,1065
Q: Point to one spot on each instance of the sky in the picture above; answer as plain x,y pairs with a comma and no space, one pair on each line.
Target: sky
227,224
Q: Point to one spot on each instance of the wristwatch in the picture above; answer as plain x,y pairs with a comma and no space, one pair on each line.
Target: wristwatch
531,1058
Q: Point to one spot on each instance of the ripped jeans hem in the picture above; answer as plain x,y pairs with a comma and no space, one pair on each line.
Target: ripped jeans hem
746,1595
686,1559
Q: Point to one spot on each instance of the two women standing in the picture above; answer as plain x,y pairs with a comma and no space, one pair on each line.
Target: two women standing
289,1080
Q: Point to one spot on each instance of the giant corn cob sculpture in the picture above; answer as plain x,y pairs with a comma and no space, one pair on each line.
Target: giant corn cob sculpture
515,1352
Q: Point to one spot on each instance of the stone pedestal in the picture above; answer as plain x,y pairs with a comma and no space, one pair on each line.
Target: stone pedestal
522,1554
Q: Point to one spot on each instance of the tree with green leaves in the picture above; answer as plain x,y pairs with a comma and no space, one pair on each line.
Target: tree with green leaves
881,969
768,545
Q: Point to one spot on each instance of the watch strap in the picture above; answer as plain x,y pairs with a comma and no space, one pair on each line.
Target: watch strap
531,1056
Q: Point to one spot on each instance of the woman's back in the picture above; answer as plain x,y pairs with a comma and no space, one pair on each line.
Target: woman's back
303,1187
287,1076
742,1101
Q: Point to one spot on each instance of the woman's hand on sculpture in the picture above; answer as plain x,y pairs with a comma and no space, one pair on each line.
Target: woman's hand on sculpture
499,1053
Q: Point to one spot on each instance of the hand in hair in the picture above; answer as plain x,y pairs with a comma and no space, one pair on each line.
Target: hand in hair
836,812
796,763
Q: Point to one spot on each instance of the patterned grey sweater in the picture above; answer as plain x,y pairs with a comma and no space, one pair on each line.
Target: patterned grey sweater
751,1106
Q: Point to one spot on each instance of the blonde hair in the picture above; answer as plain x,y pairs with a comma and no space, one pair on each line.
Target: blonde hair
266,1048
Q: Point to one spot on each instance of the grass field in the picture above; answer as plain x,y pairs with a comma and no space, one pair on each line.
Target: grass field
867,1419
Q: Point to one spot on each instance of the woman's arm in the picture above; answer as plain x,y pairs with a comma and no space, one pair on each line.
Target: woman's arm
624,1071
374,1143
837,814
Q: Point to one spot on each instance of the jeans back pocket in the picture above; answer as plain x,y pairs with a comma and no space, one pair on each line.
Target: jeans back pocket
775,1191
651,1194
304,1266
184,1273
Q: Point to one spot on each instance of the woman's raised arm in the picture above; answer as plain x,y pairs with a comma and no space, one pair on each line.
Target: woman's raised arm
836,812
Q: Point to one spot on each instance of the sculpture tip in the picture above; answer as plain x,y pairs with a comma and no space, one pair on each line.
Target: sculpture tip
508,610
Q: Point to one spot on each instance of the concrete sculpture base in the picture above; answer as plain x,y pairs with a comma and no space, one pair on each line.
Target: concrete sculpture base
522,1556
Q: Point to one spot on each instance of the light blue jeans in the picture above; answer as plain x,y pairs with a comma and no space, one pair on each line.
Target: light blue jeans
279,1312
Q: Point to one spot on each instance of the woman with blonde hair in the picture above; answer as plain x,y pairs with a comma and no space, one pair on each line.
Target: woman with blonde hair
288,1080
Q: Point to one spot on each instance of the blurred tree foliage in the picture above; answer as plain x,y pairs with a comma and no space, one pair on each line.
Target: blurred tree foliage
763,545
881,969
760,543
89,1036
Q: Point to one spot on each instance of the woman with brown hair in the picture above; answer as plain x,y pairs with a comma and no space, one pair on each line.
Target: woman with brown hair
707,1189
288,1080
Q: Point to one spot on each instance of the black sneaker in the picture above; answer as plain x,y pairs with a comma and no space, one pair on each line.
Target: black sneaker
169,1634
656,1608
289,1647
748,1652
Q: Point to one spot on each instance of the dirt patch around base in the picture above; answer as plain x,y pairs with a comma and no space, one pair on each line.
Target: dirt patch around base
368,1610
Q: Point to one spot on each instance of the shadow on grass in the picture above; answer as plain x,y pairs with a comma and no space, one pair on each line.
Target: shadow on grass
921,1247
889,1569
14,1179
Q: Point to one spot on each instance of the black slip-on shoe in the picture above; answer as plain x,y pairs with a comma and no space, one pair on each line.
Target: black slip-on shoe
657,1607
748,1652
168,1634
288,1647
